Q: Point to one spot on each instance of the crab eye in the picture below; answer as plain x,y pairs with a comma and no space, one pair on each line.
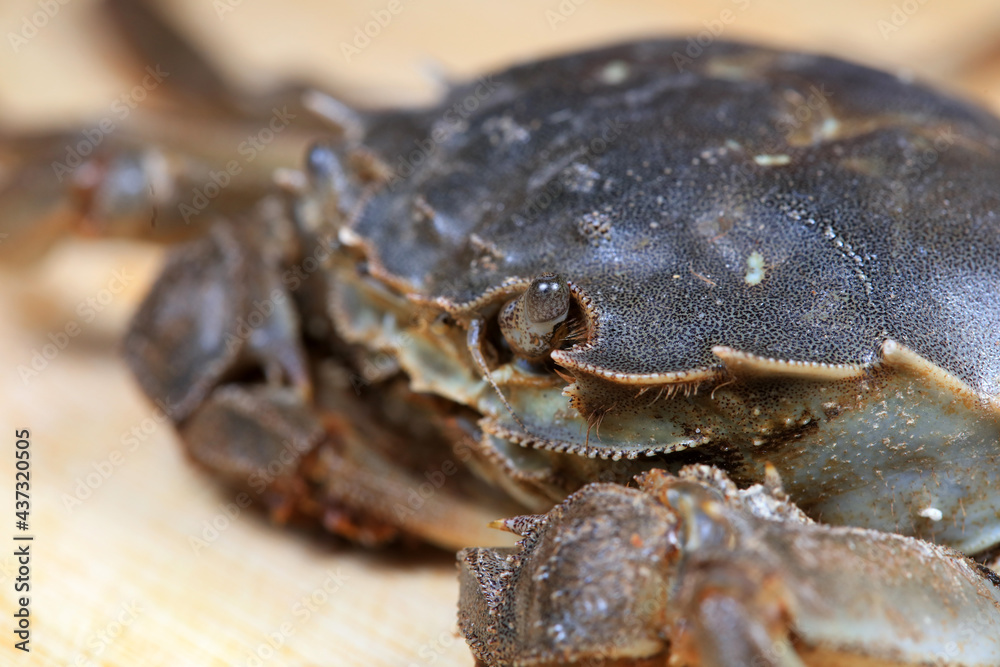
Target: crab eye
547,300
529,321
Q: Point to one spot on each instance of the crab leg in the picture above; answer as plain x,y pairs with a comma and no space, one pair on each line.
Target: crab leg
297,433
691,571
155,169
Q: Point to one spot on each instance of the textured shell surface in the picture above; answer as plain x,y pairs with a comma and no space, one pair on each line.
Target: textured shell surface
788,206
797,257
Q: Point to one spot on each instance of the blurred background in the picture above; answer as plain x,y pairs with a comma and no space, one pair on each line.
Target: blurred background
117,578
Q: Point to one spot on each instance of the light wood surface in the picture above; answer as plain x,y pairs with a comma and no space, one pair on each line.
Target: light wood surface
115,579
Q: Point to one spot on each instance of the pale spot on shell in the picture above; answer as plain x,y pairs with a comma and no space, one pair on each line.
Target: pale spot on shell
755,269
615,72
829,128
777,160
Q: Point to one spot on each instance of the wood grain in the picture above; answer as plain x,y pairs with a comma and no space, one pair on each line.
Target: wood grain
116,580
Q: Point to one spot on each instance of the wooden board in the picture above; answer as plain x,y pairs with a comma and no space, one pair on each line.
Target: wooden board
115,577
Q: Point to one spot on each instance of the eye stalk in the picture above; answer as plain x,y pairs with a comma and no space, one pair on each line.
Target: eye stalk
529,322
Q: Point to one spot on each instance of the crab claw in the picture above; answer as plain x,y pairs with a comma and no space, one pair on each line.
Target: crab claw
689,570
218,309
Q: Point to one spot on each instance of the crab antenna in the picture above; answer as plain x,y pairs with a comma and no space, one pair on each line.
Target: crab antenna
474,341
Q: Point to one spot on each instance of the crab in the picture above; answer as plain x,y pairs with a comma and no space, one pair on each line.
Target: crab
710,273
